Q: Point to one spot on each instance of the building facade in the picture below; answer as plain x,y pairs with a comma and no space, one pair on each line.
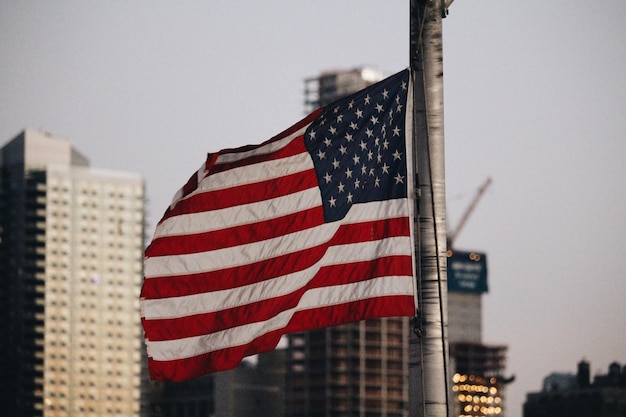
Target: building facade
333,85
356,369
71,256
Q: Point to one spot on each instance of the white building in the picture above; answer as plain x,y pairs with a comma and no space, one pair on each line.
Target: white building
71,256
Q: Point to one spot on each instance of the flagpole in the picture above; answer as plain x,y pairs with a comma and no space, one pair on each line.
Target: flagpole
428,371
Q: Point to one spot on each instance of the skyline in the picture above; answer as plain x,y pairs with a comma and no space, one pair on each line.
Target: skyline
534,98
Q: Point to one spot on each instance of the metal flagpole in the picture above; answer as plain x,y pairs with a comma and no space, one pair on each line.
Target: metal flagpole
428,371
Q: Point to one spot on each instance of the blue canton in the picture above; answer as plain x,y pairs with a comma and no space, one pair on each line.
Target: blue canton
358,147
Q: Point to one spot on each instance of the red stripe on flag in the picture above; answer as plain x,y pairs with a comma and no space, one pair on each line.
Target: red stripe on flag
191,185
221,360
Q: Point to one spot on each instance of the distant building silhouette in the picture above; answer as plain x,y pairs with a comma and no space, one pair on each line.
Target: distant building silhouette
71,255
569,395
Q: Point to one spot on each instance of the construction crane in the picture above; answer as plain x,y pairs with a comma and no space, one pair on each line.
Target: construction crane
453,234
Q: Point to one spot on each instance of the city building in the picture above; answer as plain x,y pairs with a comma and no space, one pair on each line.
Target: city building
575,395
477,383
333,85
71,258
356,369
478,380
467,283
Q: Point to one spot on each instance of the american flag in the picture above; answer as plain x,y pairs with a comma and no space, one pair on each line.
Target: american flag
312,228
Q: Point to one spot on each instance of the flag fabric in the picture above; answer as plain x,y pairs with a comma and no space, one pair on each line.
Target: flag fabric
312,228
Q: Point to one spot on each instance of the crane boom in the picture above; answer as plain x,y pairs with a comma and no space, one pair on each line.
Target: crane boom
452,235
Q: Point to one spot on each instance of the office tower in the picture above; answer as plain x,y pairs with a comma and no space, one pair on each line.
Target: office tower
71,256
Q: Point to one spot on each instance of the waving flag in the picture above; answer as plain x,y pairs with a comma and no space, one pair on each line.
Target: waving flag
312,228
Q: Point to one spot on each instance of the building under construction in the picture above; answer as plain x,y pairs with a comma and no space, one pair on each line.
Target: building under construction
478,382
355,369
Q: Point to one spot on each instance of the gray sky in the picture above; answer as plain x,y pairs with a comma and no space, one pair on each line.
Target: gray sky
535,96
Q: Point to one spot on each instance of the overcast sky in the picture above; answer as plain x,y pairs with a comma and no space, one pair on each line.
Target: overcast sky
535,98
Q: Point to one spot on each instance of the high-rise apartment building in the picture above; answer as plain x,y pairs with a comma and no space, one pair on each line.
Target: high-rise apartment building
71,256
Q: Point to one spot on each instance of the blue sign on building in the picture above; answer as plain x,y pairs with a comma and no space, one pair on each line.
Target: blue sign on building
467,272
